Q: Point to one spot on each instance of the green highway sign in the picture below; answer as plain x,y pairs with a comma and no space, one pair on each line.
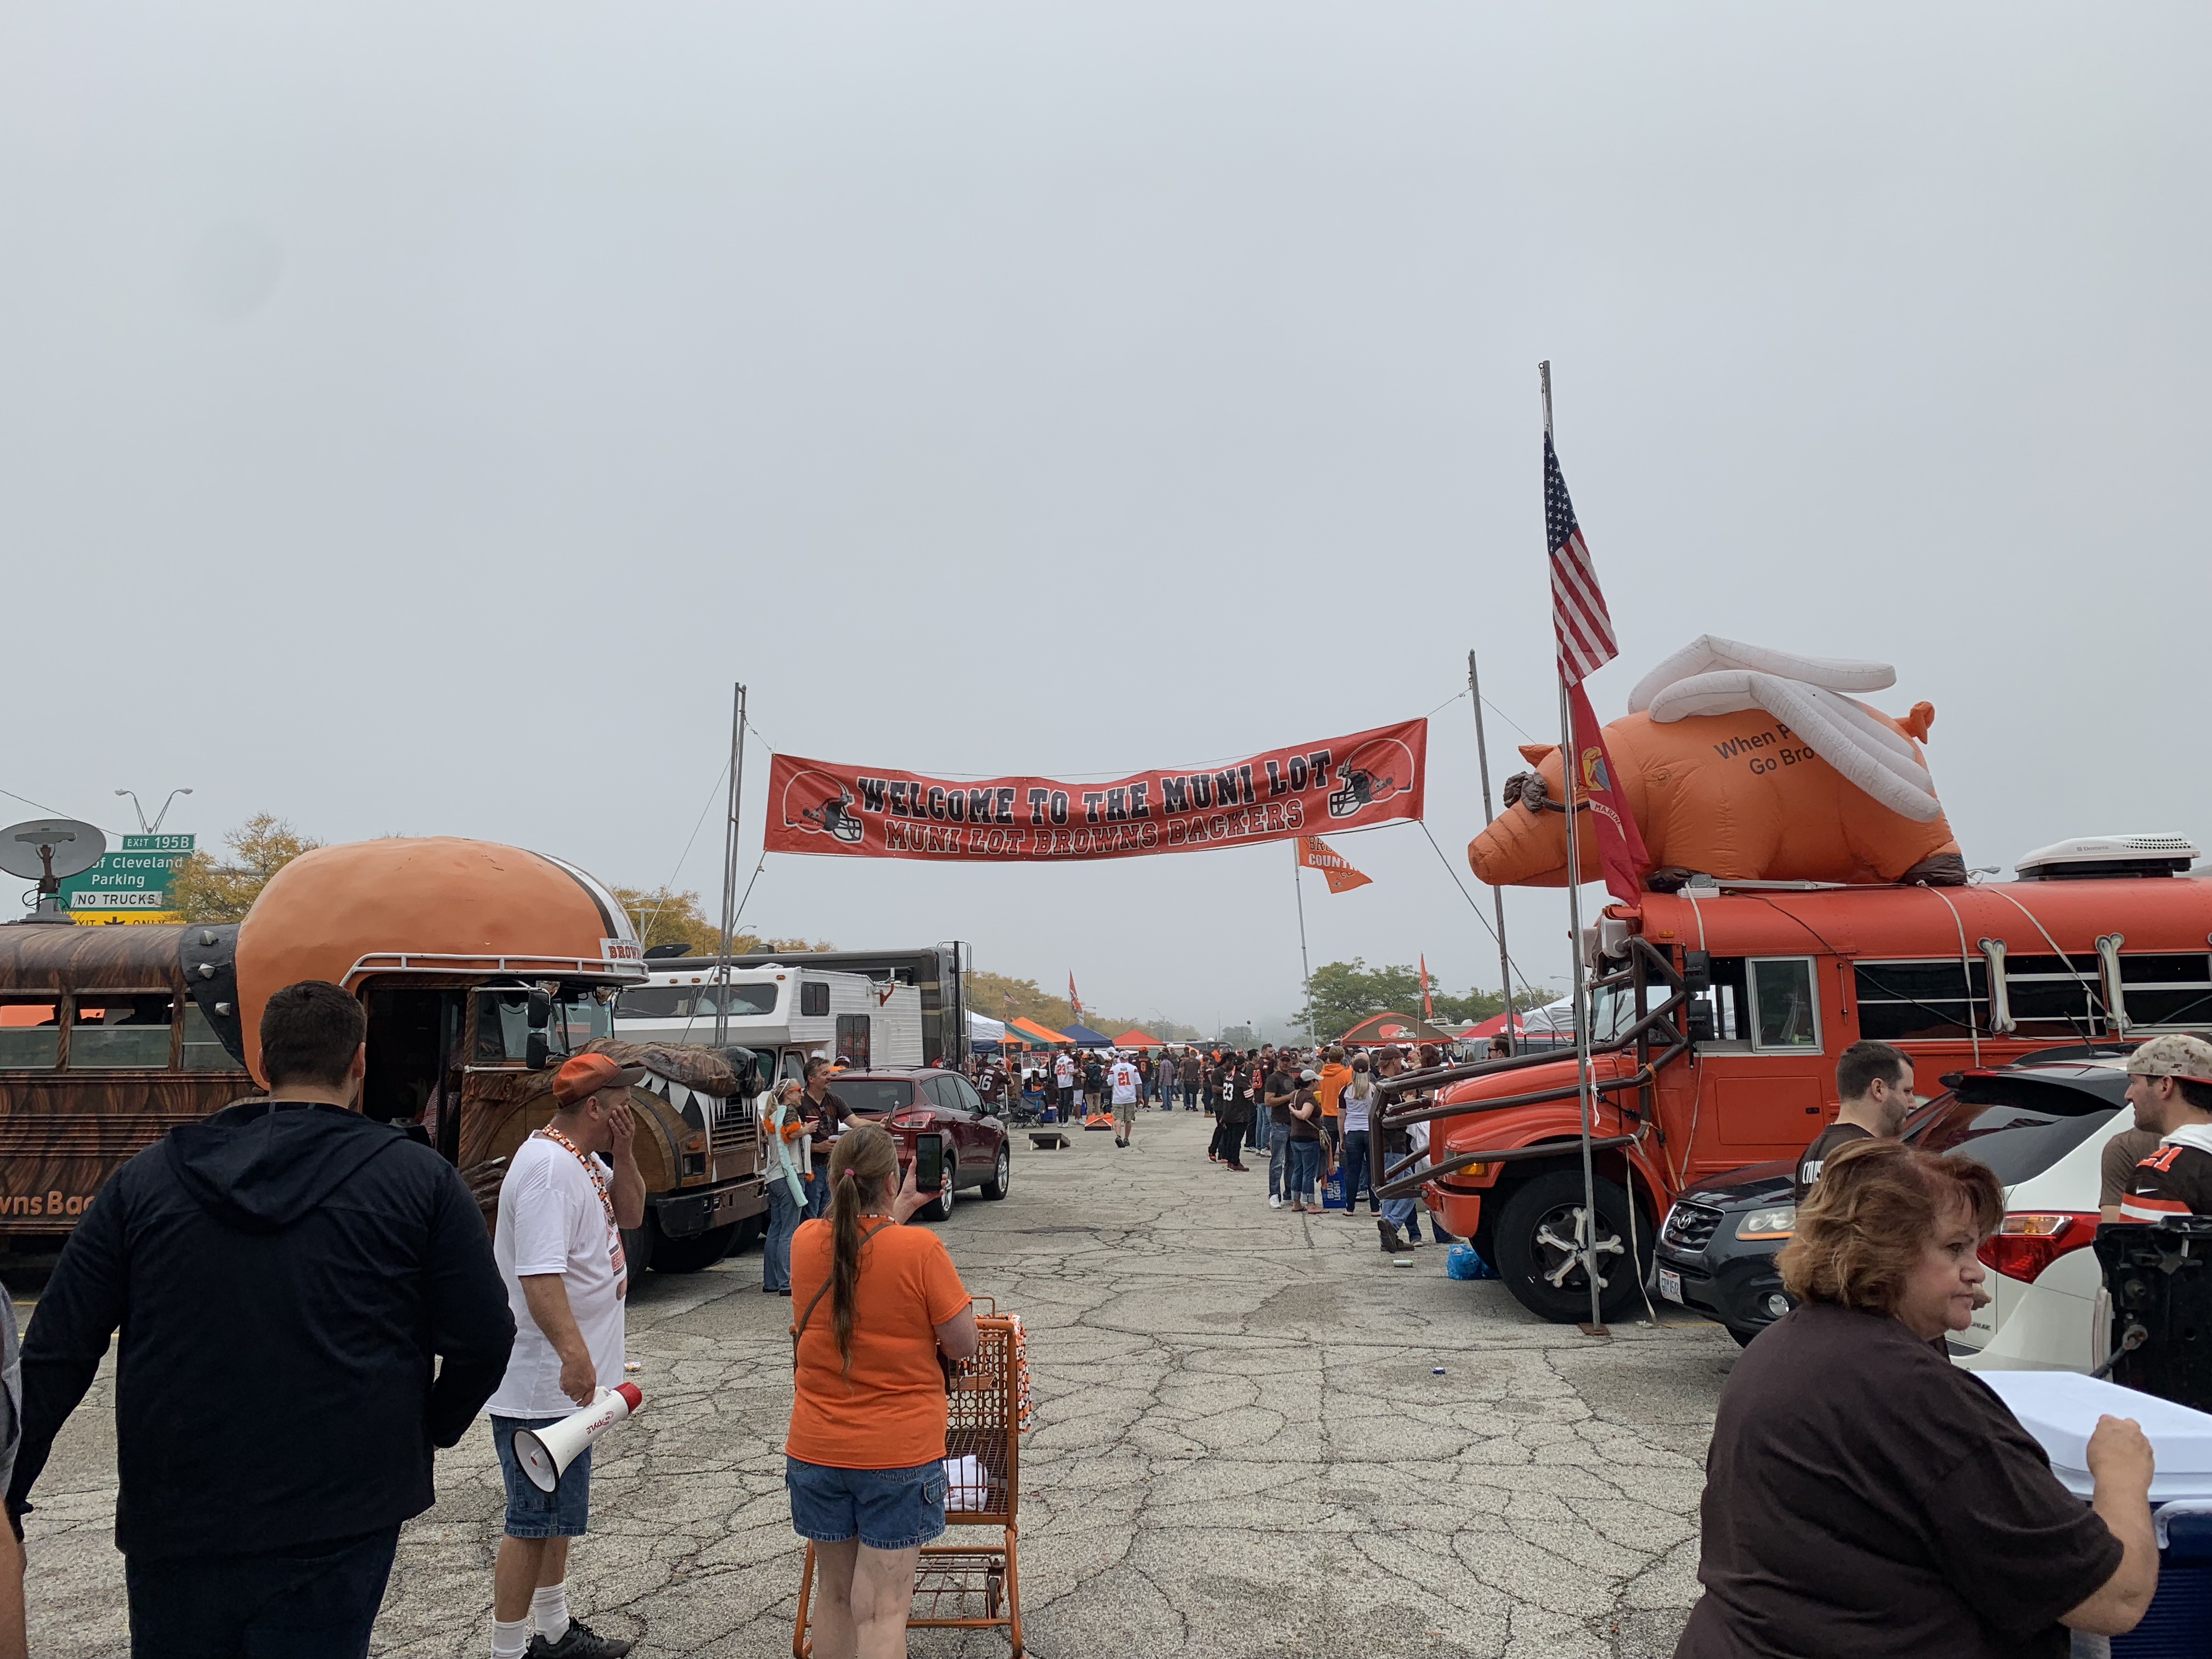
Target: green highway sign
136,878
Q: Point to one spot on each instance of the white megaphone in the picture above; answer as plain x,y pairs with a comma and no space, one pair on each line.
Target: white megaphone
543,1453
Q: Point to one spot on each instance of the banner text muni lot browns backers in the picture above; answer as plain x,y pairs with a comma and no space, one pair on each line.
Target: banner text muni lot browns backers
1335,784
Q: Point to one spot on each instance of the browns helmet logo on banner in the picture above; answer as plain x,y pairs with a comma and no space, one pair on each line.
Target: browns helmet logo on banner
1344,783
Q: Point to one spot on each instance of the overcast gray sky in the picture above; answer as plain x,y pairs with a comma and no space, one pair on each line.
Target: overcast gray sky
414,418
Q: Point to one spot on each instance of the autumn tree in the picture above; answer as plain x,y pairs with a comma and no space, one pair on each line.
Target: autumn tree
665,916
206,890
999,996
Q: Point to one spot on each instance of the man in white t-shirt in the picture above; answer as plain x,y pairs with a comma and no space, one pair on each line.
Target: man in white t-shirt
563,1210
1127,1083
1063,1080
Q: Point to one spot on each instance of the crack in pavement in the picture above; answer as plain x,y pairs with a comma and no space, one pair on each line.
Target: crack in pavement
1241,1448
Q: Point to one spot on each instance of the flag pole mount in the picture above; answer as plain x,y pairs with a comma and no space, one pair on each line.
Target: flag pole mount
1587,1227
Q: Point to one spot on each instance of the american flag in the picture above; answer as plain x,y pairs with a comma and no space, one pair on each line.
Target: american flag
1578,612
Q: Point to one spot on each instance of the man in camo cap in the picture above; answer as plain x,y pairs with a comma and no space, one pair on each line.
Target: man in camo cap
2170,1086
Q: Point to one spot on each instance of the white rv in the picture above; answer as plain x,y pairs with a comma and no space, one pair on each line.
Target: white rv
783,1012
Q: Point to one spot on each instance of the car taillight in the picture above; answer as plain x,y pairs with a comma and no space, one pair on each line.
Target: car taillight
2028,1241
912,1121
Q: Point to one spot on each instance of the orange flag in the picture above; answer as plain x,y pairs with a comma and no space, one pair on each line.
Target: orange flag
1428,1010
1314,854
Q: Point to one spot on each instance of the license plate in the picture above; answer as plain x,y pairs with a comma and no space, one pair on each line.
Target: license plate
1670,1285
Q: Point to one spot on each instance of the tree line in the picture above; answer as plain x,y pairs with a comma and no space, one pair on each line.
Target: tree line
1342,993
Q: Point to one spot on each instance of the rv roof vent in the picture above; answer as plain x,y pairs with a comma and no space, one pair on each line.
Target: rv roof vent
2094,857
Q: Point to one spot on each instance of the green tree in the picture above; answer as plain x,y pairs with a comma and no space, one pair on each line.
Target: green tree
1343,993
208,890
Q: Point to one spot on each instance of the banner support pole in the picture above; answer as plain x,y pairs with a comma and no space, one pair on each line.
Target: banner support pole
730,867
1305,963
1497,894
1568,767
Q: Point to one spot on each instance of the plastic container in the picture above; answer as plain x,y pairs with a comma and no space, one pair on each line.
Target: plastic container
1332,1190
1460,1262
2061,1409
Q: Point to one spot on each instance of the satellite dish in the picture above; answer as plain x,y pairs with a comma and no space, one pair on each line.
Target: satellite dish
53,847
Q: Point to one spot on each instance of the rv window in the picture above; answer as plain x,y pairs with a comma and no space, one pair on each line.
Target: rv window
1784,1011
851,1040
694,1001
30,1032
204,1049
814,998
121,1031
2168,990
1900,1002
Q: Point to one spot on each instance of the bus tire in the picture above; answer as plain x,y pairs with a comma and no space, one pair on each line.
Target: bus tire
638,1244
689,1255
1535,1235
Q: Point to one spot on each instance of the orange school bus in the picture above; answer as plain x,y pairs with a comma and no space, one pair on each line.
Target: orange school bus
480,968
1717,1016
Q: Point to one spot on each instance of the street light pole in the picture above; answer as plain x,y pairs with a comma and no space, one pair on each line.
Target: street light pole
144,828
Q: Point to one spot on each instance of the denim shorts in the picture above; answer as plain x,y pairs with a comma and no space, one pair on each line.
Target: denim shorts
887,1508
530,1513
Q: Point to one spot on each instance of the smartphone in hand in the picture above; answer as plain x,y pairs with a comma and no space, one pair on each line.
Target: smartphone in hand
928,1161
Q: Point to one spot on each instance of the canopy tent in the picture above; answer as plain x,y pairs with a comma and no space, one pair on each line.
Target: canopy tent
1379,1029
1083,1037
985,1035
1133,1038
1492,1027
1031,1032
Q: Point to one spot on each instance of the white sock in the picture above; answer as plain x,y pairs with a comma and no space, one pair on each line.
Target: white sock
510,1641
549,1606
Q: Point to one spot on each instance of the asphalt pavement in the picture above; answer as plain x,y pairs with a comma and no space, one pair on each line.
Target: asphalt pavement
1256,1434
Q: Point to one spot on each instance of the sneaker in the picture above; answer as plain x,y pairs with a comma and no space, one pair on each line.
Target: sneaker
1274,1202
579,1641
1392,1244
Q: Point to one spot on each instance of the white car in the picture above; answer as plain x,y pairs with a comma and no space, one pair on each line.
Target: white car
2041,1125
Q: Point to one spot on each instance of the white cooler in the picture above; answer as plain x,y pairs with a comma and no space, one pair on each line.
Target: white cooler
2061,1409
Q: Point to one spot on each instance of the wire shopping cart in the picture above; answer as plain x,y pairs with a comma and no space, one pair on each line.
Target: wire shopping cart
963,1586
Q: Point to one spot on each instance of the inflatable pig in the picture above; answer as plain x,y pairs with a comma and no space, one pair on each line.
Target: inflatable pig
1748,764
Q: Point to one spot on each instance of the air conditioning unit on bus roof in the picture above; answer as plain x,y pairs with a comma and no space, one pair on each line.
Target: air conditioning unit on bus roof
2086,857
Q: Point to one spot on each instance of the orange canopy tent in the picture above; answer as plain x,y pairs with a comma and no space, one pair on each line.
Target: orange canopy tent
1030,1031
1133,1038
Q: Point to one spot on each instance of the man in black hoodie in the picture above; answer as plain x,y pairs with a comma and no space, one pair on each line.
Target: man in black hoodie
284,1275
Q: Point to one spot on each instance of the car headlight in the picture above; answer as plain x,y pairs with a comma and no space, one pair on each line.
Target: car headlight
1778,1221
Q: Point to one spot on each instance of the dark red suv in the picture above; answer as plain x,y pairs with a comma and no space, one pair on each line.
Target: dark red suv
976,1152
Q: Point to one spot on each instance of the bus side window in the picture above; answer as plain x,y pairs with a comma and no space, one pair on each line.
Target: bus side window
1784,1010
112,1031
30,1032
204,1049
1726,1003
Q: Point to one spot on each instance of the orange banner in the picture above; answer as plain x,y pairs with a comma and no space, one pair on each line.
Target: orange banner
1341,783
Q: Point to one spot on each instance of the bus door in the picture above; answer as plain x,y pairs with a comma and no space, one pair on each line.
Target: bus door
1765,1063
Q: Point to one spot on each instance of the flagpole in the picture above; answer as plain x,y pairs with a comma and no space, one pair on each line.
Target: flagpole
1305,962
1567,771
730,867
1497,894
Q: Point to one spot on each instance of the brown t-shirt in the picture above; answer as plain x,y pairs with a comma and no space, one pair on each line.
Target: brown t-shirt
1865,1496
2116,1164
1834,1139
2176,1179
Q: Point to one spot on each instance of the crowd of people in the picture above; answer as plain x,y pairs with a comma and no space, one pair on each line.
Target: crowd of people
310,1305
1308,1112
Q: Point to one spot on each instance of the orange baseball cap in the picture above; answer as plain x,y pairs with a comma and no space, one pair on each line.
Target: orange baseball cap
586,1074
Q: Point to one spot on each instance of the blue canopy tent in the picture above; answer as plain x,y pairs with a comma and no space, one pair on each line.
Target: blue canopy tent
1083,1037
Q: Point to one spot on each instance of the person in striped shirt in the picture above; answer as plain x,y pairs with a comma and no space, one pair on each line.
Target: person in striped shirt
2170,1086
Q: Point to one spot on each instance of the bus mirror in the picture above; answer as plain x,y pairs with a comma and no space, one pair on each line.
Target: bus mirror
1701,1022
747,1065
541,1010
1697,971
536,1055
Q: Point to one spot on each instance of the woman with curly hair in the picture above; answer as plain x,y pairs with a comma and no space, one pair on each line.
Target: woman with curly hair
1863,1495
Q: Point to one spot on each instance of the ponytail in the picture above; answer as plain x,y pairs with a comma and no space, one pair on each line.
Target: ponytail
863,1161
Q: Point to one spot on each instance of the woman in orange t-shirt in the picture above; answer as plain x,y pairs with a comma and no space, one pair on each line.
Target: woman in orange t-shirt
863,1462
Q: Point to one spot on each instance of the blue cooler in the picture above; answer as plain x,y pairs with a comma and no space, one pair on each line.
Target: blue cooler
2061,1409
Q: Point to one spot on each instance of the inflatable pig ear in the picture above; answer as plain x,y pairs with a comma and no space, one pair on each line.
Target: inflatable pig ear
1713,676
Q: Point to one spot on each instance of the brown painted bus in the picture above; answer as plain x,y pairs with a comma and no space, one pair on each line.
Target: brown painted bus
480,968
